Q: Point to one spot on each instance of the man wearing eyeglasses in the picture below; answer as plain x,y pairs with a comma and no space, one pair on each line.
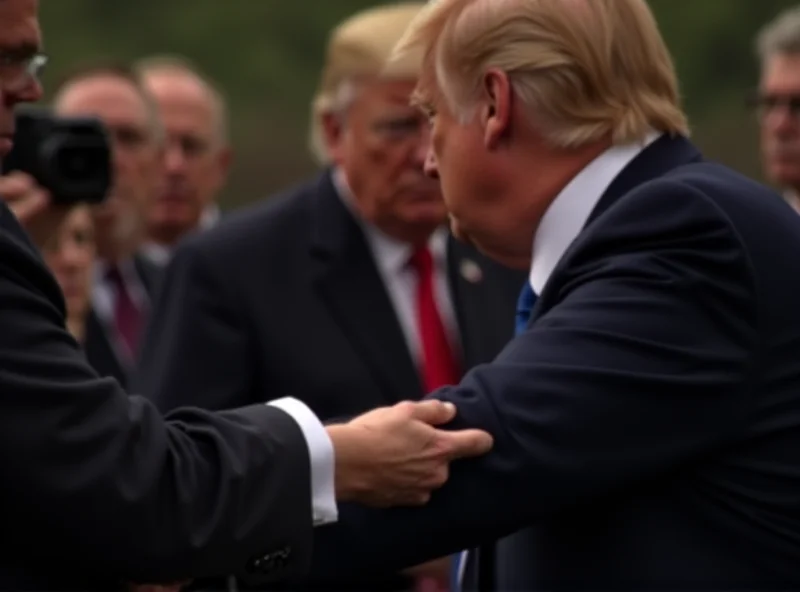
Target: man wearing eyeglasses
98,489
778,102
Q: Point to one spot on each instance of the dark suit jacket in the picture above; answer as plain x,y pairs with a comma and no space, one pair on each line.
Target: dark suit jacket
98,345
647,425
284,298
97,487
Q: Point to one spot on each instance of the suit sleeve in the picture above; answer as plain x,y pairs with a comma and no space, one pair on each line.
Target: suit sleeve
196,350
99,482
638,364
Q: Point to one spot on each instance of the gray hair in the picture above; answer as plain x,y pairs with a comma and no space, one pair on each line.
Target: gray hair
121,71
781,35
174,64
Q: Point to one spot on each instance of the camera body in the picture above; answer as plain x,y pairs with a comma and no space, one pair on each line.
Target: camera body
70,157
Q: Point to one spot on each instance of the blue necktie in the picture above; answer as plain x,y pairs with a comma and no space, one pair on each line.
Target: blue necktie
525,302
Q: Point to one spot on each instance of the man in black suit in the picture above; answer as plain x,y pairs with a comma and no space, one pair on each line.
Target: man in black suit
647,417
347,292
124,279
98,488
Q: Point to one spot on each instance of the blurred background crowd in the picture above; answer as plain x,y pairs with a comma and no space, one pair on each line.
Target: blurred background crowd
213,107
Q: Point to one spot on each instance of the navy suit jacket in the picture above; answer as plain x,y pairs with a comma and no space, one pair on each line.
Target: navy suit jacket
647,424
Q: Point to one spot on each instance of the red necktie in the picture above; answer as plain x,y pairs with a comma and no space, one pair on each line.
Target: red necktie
127,317
439,367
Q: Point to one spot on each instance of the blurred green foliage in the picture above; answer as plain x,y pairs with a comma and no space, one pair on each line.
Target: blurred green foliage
266,54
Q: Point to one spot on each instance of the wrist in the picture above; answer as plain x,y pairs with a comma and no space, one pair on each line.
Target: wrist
347,481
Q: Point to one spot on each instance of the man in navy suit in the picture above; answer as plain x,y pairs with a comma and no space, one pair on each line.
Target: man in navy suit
647,417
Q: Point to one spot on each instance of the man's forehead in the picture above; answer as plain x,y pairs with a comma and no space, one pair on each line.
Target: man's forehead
781,70
20,31
101,96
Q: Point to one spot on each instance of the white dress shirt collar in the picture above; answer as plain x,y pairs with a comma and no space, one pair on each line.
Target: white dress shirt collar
567,215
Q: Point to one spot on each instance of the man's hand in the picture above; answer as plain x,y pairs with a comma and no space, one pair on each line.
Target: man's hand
393,456
31,206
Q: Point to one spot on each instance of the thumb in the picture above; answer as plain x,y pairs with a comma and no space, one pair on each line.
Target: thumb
466,443
433,411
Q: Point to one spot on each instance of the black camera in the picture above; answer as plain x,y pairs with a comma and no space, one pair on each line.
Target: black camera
68,156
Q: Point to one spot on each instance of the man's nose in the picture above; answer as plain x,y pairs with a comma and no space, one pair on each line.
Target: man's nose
30,93
781,119
174,160
430,166
71,255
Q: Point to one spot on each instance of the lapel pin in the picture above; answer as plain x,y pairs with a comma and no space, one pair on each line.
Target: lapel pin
471,271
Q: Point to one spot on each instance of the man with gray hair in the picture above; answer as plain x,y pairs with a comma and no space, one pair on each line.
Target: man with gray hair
778,102
197,154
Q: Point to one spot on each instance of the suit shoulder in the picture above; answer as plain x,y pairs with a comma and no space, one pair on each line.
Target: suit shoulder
265,222
747,204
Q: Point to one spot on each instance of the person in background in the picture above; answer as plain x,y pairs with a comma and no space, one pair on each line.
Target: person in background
197,154
70,255
347,291
777,102
124,280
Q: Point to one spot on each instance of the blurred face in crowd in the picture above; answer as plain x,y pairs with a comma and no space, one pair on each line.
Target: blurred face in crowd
20,40
136,151
381,143
779,110
196,158
70,256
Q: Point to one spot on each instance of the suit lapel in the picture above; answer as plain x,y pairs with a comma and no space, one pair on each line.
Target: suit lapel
472,302
348,282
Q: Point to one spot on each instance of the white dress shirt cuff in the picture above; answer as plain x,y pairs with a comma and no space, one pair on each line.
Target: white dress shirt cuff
321,455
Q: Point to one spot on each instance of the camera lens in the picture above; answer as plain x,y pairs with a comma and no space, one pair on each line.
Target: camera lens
76,164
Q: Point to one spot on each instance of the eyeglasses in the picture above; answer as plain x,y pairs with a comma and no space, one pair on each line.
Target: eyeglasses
764,104
16,72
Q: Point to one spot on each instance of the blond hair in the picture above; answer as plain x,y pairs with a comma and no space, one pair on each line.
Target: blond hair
357,50
583,69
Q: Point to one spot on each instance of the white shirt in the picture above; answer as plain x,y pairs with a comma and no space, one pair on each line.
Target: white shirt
793,200
160,254
567,215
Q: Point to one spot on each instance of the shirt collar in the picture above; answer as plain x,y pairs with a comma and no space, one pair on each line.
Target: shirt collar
567,215
390,254
156,252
